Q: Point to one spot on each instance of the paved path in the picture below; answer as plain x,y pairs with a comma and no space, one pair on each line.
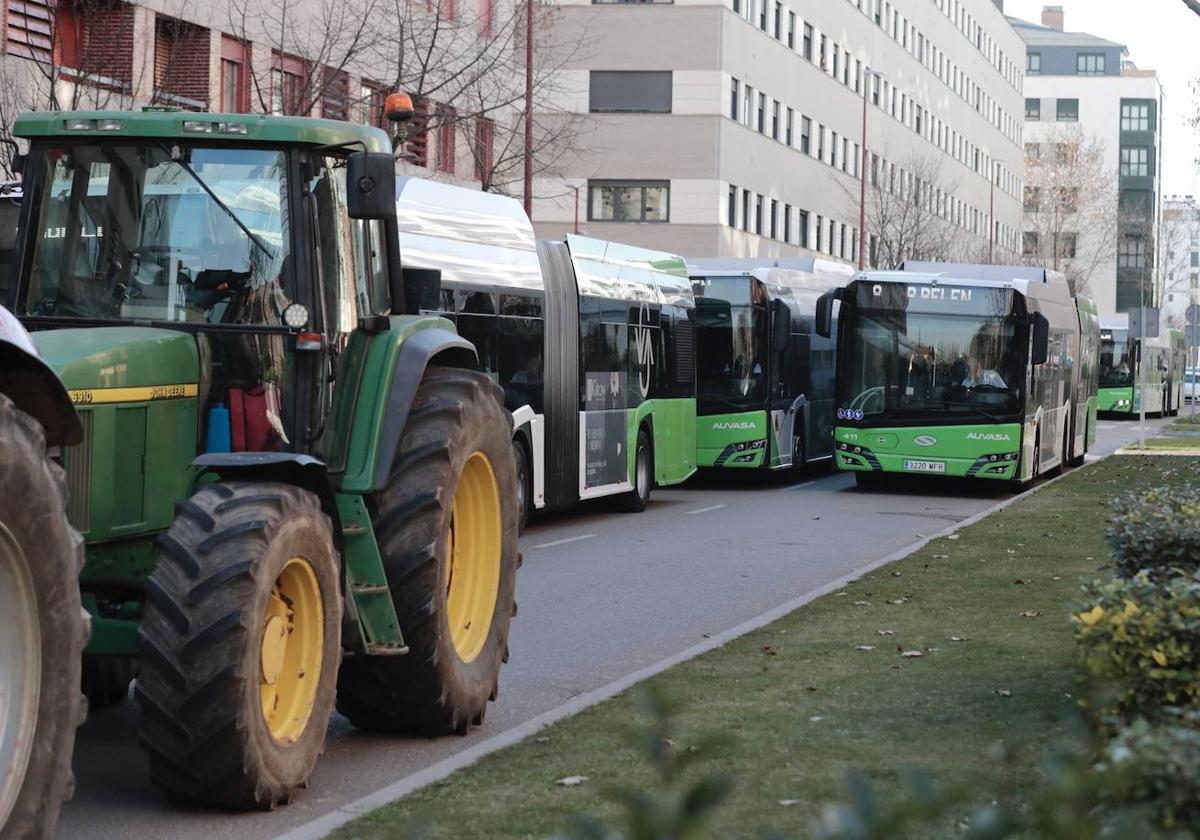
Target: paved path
602,595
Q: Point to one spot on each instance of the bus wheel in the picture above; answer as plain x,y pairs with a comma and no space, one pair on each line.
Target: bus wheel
798,454
521,457
635,500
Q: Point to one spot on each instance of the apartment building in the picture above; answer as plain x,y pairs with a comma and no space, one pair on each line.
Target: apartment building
735,127
1089,83
336,59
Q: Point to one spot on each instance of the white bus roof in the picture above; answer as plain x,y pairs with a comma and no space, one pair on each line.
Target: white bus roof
626,272
474,238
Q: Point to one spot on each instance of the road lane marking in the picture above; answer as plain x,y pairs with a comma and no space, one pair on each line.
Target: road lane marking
553,543
703,510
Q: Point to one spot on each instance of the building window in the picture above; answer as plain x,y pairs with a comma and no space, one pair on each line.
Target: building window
731,218
791,32
787,223
735,88
1135,161
761,121
234,81
808,41
417,144
778,21
1029,244
774,219
746,210
806,135
788,126
775,119
820,233
639,91
1067,243
1135,116
1033,63
802,221
1068,110
628,201
447,119
335,95
371,97
1089,64
748,106
1131,252
287,85
763,14
1033,109
484,148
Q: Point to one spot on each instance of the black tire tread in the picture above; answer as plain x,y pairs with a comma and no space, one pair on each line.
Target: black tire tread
195,725
37,519
429,690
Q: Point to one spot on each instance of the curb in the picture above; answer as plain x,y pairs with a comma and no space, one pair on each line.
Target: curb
335,819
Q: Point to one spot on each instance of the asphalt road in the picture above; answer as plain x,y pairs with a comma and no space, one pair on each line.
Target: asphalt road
601,595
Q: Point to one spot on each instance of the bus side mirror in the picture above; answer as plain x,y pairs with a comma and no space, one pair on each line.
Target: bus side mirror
370,185
1041,339
825,313
781,325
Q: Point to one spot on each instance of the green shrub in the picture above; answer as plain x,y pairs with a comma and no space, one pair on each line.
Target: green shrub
1140,642
1159,764
1157,532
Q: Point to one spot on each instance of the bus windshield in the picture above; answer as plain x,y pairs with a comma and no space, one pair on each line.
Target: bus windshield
1116,359
913,365
731,366
144,231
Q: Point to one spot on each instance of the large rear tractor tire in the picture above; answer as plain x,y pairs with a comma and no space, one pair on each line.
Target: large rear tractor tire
42,632
447,529
240,645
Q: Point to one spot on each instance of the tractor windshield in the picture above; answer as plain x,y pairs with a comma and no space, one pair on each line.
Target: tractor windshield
149,231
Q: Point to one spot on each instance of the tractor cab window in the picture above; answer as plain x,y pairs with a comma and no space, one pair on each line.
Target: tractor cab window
155,231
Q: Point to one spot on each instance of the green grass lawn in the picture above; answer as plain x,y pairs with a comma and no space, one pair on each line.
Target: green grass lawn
800,705
1168,443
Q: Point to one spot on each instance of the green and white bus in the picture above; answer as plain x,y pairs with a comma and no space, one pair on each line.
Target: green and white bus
593,343
764,378
962,370
1120,374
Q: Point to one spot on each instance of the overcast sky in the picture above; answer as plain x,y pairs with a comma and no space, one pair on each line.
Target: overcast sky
1162,35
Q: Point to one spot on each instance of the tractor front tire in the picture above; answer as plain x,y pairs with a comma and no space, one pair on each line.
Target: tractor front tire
240,645
42,635
447,527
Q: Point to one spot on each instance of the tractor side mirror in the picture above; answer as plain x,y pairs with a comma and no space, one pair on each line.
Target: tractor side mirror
422,290
824,314
1041,339
371,185
781,325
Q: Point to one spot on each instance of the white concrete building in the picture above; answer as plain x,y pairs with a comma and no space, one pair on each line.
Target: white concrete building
734,128
1089,82
1181,258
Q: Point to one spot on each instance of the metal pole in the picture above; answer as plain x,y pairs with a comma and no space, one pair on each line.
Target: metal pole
577,211
1142,384
862,190
529,108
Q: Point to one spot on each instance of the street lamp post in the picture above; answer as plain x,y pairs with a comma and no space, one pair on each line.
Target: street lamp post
528,198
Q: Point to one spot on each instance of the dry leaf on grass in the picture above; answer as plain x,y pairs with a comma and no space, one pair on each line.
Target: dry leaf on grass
911,654
1003,692
788,803
1031,613
571,781
865,647
886,632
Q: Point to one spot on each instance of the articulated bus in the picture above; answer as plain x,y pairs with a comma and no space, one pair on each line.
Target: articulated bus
764,379
1120,375
963,370
593,343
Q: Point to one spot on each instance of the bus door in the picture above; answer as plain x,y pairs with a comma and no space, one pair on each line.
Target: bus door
784,368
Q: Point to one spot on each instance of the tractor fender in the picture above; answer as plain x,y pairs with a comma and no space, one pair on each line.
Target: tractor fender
285,467
422,348
33,386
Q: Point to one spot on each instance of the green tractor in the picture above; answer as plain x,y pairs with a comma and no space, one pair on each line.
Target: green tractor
294,490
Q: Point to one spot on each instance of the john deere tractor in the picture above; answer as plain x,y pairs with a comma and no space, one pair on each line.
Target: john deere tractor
292,487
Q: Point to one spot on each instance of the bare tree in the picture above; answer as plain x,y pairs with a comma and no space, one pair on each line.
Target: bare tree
1070,204
908,211
1177,226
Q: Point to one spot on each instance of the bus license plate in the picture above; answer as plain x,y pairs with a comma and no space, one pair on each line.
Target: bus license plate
925,466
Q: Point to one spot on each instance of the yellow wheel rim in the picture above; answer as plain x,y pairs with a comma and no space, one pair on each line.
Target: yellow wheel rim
474,548
290,653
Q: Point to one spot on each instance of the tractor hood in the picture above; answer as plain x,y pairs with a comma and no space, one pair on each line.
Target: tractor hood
121,364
